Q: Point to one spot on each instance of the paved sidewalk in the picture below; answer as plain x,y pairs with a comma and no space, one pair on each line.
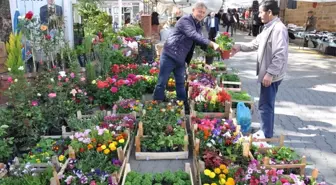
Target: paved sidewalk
305,104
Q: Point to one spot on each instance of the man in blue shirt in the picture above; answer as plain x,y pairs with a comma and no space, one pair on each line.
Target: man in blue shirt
178,50
212,26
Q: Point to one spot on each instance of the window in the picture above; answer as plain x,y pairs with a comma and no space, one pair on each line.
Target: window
291,4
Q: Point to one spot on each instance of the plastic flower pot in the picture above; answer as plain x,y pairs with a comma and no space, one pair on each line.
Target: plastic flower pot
225,54
209,59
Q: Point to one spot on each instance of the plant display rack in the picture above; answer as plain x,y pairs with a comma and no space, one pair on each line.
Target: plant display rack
234,89
187,169
226,114
266,160
159,155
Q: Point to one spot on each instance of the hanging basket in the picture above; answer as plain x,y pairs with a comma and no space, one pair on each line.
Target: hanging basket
225,54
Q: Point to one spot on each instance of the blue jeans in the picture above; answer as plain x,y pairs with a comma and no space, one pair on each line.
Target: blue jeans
266,107
168,65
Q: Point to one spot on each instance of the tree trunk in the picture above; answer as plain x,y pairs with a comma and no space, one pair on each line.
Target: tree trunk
5,20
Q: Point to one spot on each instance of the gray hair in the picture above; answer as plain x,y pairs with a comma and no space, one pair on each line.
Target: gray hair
200,5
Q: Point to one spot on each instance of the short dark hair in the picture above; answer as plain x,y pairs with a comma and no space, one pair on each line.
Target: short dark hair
271,5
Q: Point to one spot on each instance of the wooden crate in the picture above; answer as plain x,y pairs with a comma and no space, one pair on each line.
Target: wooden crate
237,89
123,155
266,160
159,155
187,169
227,114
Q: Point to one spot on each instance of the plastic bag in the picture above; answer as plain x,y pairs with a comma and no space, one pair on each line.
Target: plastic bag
243,117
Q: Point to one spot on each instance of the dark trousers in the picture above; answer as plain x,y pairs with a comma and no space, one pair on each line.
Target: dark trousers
266,107
306,40
255,30
228,27
212,34
168,65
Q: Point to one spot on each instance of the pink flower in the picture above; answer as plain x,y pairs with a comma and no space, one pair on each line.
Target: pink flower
54,66
34,103
67,79
52,95
93,182
59,77
114,89
10,79
82,79
72,75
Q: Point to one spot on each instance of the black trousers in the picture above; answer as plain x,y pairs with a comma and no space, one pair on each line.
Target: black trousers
212,34
255,30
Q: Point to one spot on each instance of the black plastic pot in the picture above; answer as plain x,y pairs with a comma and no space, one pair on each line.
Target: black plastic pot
164,149
209,59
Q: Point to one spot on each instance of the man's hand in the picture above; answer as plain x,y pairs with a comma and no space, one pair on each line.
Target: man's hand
235,49
267,81
214,46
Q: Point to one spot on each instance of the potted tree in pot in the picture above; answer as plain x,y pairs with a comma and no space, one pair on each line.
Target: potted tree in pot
225,43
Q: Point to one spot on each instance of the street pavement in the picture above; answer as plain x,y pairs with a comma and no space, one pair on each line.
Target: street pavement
305,108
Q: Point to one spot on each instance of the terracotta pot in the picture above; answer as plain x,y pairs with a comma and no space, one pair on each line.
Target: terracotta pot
225,54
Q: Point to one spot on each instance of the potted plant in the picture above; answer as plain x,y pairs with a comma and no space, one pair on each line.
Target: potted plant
225,43
209,55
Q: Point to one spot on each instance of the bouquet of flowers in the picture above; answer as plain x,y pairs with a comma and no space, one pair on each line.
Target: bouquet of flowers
211,100
225,43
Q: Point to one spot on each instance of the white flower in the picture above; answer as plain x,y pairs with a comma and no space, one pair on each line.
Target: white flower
16,80
209,145
9,69
52,80
21,68
73,92
38,94
62,73
93,82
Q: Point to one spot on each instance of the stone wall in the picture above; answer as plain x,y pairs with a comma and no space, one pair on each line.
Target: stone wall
5,20
324,12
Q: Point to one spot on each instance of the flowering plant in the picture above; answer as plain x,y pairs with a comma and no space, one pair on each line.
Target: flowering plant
219,175
127,106
211,100
99,139
45,149
118,123
202,79
224,41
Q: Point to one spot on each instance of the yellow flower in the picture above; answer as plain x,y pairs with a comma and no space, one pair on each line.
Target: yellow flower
32,156
212,175
111,145
61,158
122,141
179,103
94,82
38,160
115,143
103,147
106,131
113,148
222,181
206,184
217,171
207,172
106,151
230,181
222,176
222,167
213,183
226,171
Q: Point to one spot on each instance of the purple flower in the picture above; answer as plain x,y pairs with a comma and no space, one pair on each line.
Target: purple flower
179,122
274,178
216,132
250,171
116,162
294,177
280,172
84,179
264,179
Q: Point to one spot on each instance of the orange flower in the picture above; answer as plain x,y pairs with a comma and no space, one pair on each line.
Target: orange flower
90,146
44,27
120,137
99,149
93,140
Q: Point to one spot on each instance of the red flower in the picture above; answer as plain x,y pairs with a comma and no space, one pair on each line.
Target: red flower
102,84
47,37
120,83
283,180
29,15
115,69
226,34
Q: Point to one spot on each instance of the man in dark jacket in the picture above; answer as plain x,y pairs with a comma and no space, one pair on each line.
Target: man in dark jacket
212,26
178,50
49,10
310,26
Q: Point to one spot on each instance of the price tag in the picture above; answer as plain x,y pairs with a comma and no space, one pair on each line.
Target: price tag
147,158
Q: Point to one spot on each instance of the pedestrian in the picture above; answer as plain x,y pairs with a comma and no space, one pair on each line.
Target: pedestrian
178,50
212,26
310,26
272,46
229,21
236,20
